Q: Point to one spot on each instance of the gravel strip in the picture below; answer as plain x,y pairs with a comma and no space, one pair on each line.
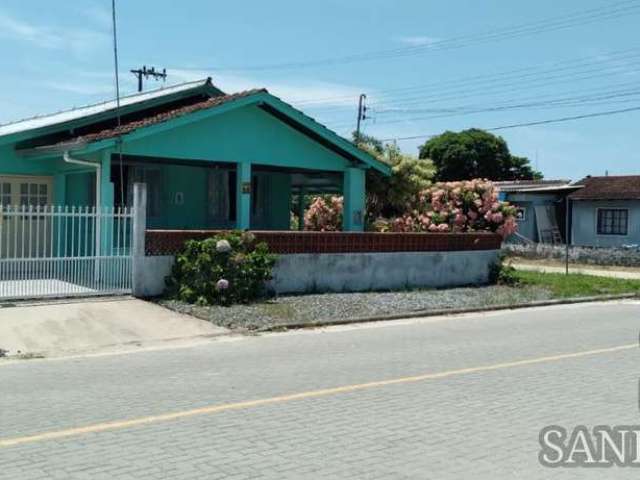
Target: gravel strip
298,309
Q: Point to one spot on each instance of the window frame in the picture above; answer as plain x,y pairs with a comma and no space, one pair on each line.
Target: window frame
598,229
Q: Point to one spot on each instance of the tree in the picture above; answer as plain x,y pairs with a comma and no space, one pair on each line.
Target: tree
389,196
475,153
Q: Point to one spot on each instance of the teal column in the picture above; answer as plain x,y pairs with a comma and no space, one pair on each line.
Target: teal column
106,185
59,189
243,196
301,205
354,200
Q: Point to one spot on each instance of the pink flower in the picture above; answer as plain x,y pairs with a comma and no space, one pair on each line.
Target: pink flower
222,284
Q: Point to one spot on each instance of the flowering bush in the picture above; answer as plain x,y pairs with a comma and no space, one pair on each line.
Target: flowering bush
324,215
466,206
228,268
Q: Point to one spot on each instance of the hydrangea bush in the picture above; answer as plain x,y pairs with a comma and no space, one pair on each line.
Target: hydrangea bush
228,268
324,214
466,206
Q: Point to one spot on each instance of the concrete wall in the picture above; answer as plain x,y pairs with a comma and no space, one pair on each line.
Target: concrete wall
344,272
585,221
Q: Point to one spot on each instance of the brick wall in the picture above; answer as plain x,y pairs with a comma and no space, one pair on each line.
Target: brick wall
170,242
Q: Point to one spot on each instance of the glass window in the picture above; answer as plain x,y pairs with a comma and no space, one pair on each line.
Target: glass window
613,221
5,198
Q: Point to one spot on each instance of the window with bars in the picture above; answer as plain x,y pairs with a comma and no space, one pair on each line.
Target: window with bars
5,193
613,221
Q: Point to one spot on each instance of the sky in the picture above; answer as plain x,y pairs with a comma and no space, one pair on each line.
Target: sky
426,66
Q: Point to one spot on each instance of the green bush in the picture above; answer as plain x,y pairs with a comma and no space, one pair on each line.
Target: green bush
228,268
503,273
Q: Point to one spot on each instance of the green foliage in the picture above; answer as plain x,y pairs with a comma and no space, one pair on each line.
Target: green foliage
578,285
390,196
475,153
503,273
228,268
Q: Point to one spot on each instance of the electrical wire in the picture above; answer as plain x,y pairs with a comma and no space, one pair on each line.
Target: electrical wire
530,124
584,17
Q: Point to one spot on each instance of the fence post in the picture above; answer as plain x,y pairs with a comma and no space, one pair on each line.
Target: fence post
138,236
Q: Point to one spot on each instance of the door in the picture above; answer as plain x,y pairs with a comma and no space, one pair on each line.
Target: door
29,194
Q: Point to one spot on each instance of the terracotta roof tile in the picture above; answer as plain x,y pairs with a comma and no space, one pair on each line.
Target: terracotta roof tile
159,117
608,188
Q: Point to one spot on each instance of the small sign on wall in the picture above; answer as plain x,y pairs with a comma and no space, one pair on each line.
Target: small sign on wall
246,187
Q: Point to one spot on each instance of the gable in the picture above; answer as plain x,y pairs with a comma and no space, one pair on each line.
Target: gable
245,134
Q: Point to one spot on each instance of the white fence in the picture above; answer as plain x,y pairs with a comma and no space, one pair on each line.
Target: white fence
53,251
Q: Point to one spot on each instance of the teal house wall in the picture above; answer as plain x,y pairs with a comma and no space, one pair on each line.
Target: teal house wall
173,141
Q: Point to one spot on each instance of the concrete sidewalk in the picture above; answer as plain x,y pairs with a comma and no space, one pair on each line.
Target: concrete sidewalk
58,328
597,272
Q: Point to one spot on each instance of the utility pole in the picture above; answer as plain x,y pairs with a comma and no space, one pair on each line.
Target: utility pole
145,72
362,115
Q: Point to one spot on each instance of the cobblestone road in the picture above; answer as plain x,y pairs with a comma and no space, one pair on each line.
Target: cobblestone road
285,416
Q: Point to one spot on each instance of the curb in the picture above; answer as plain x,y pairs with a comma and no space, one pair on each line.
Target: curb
446,312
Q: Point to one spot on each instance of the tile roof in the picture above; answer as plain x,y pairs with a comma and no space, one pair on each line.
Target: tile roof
163,115
625,187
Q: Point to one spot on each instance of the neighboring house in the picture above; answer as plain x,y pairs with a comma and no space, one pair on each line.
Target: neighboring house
606,211
209,160
541,208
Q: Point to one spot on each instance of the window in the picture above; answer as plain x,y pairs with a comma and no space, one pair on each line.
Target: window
5,193
612,221
33,194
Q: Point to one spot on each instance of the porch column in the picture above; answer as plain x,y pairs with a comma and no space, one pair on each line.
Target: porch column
106,185
59,189
354,200
301,205
243,196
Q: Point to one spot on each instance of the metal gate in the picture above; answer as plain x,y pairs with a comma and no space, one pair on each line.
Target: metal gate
50,251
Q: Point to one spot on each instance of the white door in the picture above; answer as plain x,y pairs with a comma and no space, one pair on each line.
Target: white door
29,237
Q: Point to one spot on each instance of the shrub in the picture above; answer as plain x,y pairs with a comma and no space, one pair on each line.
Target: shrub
503,273
467,206
324,215
228,268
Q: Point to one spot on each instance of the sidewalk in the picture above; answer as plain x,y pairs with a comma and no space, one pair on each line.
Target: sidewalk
590,270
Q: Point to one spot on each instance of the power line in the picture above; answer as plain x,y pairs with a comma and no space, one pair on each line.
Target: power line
517,74
530,124
579,18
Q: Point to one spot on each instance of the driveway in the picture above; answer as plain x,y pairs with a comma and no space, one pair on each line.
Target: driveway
58,328
460,397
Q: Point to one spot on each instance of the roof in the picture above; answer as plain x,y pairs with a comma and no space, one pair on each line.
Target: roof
88,127
532,186
66,116
624,187
159,116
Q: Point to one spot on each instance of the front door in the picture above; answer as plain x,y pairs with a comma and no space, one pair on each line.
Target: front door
28,194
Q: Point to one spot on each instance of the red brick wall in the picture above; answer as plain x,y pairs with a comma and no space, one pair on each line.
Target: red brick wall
170,242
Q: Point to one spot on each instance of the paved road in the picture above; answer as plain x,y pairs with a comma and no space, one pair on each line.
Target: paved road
455,398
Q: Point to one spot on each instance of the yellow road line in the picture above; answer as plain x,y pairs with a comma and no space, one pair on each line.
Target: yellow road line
213,409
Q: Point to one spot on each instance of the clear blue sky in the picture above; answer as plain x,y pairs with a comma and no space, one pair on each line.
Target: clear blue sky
54,55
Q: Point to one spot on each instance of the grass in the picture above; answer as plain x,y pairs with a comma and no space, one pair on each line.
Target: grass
577,285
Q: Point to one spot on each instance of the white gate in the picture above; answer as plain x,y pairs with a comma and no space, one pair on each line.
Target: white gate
49,251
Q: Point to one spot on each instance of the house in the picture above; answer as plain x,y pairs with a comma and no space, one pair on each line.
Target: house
606,211
209,159
541,208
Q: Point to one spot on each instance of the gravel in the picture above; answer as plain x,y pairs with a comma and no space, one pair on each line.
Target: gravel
327,307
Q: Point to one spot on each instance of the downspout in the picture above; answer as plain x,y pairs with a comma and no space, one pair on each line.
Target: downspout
76,161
